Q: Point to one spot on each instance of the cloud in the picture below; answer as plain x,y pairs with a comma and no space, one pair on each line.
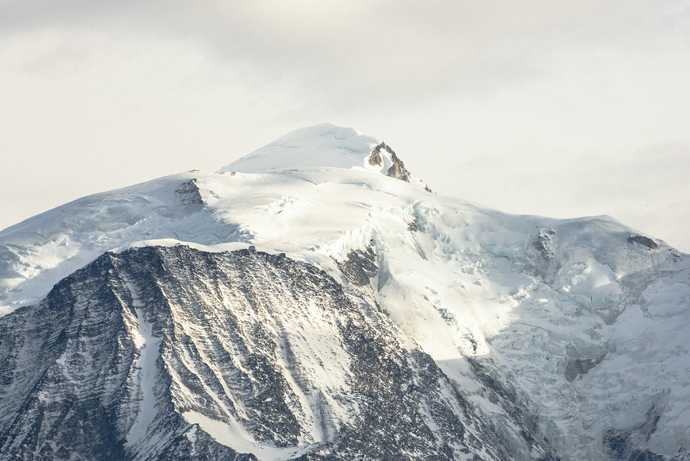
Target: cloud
386,51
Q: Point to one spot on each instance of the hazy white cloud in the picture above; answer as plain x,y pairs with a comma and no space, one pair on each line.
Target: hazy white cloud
556,108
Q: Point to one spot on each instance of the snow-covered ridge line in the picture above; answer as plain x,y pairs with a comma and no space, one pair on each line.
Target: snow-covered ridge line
186,208
325,146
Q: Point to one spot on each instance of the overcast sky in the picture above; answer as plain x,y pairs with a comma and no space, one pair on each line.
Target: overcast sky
564,109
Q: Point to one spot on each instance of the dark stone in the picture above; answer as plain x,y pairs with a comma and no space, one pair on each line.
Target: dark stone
397,170
544,262
641,240
577,367
543,244
189,194
360,266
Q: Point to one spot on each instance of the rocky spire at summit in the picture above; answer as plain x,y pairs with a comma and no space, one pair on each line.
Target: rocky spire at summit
397,169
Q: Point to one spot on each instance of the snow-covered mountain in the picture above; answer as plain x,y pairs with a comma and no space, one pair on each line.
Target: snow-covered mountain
313,300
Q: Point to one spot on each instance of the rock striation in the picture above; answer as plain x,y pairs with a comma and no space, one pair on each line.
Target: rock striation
171,353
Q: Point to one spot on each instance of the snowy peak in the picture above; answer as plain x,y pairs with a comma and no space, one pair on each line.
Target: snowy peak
323,146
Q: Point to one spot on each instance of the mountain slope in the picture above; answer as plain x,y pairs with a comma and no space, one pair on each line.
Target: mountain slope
144,354
574,329
322,145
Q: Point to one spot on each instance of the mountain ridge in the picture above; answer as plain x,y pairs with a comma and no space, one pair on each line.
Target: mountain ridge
573,330
250,350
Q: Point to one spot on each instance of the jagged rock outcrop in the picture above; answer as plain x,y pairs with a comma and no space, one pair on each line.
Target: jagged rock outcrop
397,169
375,157
359,266
172,353
188,193
543,261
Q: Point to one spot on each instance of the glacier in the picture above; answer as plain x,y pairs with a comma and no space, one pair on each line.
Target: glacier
562,338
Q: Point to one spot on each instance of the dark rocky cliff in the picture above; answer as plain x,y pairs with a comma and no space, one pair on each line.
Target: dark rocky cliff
137,354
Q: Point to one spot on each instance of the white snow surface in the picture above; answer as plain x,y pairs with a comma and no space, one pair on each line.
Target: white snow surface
233,435
322,145
470,283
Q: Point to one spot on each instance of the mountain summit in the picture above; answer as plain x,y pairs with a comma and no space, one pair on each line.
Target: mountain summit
324,146
311,301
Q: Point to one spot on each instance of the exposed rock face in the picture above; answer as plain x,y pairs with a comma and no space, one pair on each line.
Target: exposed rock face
516,428
577,367
375,157
360,266
397,169
544,262
641,240
169,353
189,194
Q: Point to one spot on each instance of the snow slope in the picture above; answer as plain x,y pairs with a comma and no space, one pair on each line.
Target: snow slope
322,145
586,326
